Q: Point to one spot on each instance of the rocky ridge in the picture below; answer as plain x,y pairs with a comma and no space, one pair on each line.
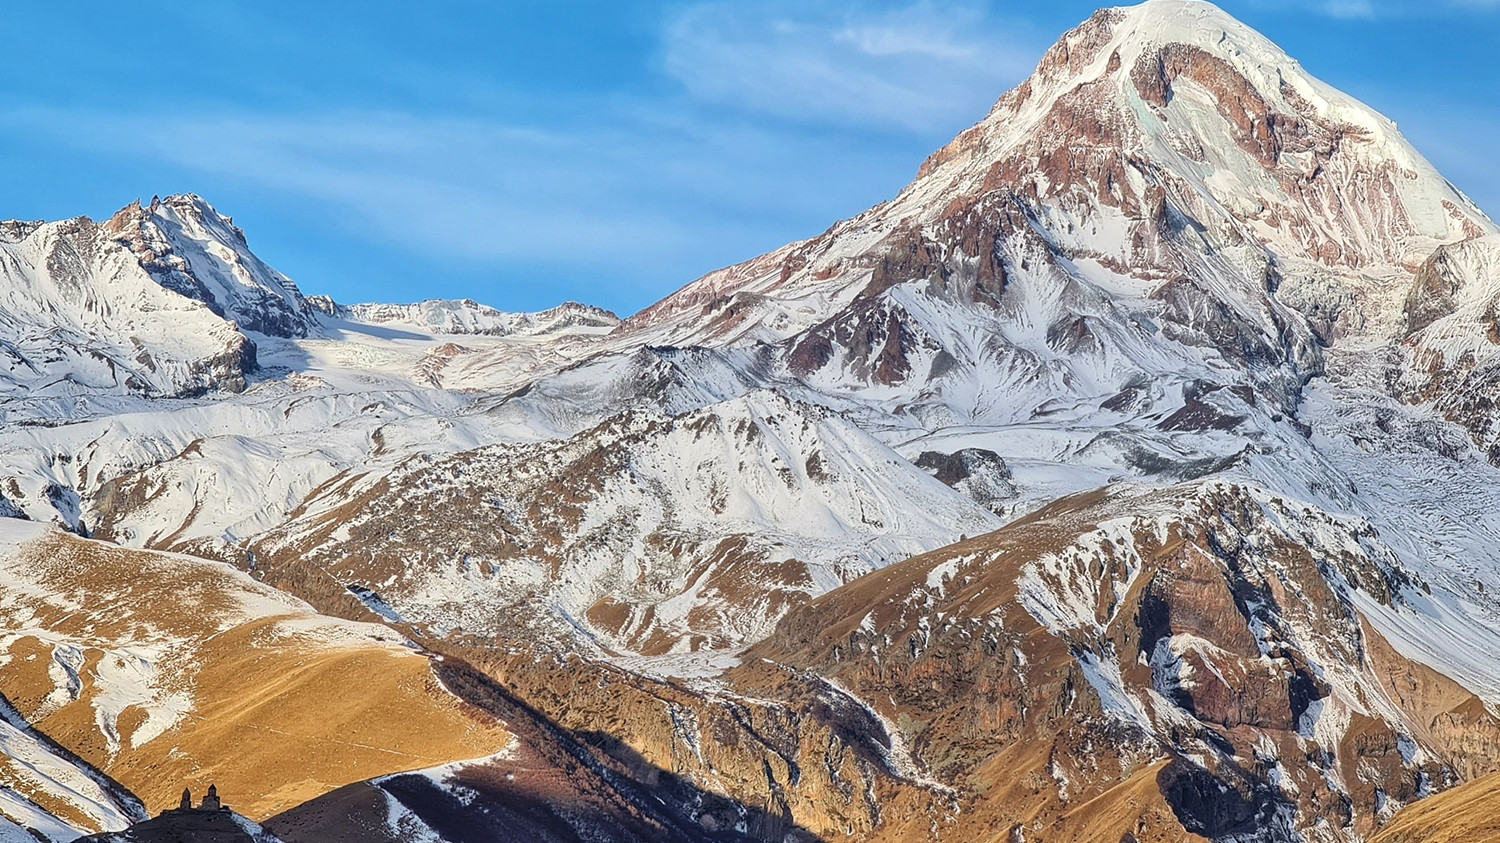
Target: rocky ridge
469,317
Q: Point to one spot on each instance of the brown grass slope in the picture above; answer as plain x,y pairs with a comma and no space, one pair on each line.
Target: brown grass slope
1468,814
166,671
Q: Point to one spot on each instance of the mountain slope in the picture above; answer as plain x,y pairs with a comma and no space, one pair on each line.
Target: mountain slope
1233,644
167,671
52,792
659,533
1447,360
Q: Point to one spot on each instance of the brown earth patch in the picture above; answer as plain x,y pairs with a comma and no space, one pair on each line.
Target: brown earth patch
285,705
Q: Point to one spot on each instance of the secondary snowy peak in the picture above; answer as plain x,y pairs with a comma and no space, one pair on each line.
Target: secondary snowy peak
156,301
193,250
79,314
466,317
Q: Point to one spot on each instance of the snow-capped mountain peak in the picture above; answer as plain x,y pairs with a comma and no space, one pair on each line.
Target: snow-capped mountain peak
195,251
1098,486
1149,139
1179,89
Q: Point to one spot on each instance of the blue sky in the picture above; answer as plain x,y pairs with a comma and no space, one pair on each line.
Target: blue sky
524,152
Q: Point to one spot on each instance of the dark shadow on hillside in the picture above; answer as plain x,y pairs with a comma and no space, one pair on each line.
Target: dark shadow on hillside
555,787
181,827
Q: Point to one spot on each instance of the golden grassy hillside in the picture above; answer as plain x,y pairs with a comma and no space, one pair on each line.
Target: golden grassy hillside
1468,814
166,671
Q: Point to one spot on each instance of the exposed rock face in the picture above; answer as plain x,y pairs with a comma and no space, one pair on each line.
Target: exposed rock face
1169,666
189,248
981,474
1167,145
801,760
1208,636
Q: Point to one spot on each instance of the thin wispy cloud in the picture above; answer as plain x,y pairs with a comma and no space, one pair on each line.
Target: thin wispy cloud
633,186
471,189
1349,9
641,193
909,68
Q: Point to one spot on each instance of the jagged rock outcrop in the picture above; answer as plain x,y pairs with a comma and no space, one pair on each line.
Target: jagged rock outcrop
1224,644
977,472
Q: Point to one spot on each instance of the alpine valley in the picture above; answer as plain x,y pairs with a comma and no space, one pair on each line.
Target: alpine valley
1131,476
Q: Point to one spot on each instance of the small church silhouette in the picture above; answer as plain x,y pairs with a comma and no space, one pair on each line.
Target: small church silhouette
210,801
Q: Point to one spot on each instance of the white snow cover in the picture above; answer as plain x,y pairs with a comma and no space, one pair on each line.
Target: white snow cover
77,316
193,249
1188,147
795,482
35,768
373,386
